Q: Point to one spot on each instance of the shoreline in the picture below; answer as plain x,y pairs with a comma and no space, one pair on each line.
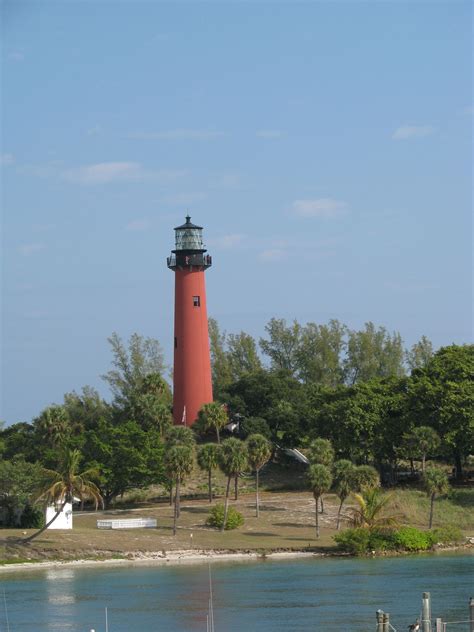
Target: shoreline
172,558
196,556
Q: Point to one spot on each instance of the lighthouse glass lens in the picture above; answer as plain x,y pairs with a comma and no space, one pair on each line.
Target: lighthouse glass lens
189,239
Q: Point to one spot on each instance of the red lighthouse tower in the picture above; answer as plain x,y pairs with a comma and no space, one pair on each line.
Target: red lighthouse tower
192,381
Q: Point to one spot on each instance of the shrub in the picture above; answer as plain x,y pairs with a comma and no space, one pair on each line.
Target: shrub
216,517
32,518
445,535
412,539
361,540
355,541
382,540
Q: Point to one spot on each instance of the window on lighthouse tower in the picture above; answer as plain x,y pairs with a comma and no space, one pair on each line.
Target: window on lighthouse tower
197,301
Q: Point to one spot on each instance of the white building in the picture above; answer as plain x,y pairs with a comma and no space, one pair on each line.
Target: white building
63,521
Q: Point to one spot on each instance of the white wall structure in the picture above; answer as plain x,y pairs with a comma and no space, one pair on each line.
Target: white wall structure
63,521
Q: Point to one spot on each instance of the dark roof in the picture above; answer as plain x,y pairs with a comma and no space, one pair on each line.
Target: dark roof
188,224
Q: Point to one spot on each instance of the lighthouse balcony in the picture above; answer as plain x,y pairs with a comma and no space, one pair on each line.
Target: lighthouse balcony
183,260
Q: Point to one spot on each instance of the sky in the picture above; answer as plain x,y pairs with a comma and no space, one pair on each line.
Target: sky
325,147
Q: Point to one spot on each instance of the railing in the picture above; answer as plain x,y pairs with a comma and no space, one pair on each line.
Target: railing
131,523
185,260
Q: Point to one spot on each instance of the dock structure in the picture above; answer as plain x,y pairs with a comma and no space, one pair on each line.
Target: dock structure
425,623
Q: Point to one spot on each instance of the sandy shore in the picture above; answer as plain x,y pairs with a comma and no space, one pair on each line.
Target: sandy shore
172,558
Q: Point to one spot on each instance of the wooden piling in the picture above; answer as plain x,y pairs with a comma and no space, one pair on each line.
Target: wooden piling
426,612
439,625
379,619
386,622
471,614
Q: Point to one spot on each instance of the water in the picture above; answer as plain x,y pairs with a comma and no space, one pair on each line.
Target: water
330,595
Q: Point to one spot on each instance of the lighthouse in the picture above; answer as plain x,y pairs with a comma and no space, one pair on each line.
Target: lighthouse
192,380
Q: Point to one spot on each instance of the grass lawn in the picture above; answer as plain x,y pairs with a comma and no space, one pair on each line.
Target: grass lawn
286,522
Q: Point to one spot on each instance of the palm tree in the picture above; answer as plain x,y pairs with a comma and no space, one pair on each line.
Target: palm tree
65,484
54,425
207,460
365,477
213,416
320,480
436,483
178,464
322,452
259,452
178,435
232,461
344,482
371,512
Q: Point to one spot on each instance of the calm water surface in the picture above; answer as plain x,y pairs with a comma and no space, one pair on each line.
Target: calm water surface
266,596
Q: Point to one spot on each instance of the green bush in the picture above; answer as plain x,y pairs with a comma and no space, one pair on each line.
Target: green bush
354,541
361,541
32,518
445,535
412,539
216,518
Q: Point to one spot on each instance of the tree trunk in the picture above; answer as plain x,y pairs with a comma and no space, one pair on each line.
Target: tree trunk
210,485
176,504
431,510
412,467
177,498
423,463
256,497
317,519
46,526
322,504
458,466
226,503
218,435
171,494
236,487
338,525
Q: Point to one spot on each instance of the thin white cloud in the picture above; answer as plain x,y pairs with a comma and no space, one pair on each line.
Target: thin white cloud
27,250
319,207
273,254
469,110
7,159
269,133
227,242
184,199
138,225
107,172
16,55
178,134
103,172
407,132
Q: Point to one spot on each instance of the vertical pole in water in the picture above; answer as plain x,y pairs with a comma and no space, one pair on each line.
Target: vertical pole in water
106,621
386,622
471,614
6,611
379,617
426,612
439,625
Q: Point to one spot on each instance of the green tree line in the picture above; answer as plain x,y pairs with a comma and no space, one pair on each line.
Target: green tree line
376,403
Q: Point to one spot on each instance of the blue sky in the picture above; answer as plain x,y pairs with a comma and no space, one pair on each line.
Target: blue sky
325,147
